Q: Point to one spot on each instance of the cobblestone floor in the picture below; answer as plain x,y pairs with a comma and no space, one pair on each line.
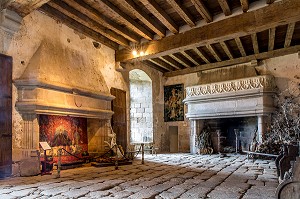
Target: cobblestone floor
162,176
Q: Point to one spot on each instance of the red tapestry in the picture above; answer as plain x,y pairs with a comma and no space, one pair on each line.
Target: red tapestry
69,133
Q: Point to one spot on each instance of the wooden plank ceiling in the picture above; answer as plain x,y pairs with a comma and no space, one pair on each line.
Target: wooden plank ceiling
180,36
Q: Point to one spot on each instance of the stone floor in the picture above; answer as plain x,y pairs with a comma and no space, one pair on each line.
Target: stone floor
162,176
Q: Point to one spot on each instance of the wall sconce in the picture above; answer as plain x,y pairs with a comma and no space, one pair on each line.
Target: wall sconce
139,53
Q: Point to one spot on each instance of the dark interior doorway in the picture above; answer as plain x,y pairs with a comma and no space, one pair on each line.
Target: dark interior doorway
173,132
119,124
5,116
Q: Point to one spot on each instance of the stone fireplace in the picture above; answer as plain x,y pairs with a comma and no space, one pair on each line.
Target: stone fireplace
243,104
58,86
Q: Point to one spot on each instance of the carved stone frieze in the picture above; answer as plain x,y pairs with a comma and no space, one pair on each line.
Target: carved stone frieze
265,83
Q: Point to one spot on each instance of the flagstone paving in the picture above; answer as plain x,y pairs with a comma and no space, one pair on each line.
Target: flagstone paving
164,176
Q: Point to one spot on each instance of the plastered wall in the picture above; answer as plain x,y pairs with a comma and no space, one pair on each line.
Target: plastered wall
37,28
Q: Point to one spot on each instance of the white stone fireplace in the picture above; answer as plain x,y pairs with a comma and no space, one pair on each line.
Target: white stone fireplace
240,98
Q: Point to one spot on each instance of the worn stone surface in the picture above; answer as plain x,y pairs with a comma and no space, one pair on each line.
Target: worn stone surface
164,176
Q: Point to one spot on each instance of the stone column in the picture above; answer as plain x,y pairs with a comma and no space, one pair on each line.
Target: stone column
10,23
30,165
193,134
261,127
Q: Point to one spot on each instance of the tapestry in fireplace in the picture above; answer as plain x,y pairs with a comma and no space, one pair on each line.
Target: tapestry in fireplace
69,133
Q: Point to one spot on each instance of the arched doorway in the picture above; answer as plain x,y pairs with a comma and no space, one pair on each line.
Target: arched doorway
141,109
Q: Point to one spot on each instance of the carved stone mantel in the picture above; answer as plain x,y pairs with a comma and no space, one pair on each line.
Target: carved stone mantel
251,96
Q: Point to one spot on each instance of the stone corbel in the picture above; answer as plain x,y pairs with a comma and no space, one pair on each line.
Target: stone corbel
10,23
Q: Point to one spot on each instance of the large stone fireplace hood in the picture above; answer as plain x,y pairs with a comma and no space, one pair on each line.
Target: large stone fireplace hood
251,96
59,81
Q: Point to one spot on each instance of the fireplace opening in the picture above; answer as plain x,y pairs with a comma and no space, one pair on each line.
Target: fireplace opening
244,127
80,138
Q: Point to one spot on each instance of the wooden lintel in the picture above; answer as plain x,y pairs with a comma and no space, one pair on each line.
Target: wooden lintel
236,26
154,66
264,55
160,14
225,7
289,34
127,20
162,64
179,59
23,8
270,1
202,9
202,55
100,18
245,5
226,49
240,46
255,43
184,14
141,15
83,19
172,62
213,51
189,57
272,32
77,26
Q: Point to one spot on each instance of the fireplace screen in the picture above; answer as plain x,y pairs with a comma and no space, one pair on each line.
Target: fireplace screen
65,132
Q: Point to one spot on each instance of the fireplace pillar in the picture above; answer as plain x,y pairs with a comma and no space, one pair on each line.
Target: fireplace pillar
193,148
261,124
29,164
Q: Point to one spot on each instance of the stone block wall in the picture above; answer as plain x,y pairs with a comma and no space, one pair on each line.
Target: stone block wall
141,111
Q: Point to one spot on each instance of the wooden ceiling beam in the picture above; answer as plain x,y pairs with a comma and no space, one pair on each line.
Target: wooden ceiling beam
22,7
190,57
172,62
245,5
213,51
289,35
77,26
270,1
86,21
154,66
127,20
240,60
202,55
272,32
226,49
255,43
236,26
103,20
180,60
160,14
141,15
161,64
225,7
182,11
240,46
202,9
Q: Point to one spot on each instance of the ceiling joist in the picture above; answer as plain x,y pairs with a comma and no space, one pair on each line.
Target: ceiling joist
160,14
184,14
127,20
237,26
225,7
202,9
141,15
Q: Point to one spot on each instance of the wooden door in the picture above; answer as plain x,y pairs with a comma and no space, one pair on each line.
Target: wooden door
173,132
5,116
119,123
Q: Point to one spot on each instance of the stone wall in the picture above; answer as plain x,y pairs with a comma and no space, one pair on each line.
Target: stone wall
23,42
141,111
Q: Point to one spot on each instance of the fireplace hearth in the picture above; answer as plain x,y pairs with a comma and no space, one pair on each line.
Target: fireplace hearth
244,104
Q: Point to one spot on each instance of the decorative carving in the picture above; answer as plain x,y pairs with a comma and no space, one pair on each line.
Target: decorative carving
265,82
